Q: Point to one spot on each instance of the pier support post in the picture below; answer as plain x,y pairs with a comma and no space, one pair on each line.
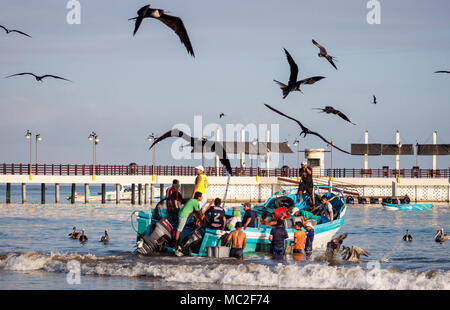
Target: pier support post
139,193
133,198
259,192
394,189
43,193
24,193
103,193
161,192
117,193
146,192
86,193
72,195
56,193
152,192
8,192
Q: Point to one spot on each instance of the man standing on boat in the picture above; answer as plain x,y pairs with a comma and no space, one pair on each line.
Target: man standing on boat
173,195
306,182
189,207
201,185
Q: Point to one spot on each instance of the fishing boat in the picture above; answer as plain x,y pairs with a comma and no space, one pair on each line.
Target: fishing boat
408,207
156,228
125,195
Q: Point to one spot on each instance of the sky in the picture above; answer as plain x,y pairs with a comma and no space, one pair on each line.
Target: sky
125,88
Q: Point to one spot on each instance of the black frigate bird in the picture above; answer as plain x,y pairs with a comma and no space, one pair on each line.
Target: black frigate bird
175,23
305,131
442,71
323,53
39,78
293,84
331,110
221,115
374,100
8,31
211,146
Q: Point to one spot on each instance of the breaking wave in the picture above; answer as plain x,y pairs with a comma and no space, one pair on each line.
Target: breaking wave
251,275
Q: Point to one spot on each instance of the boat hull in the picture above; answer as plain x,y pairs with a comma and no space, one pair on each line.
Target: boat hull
408,207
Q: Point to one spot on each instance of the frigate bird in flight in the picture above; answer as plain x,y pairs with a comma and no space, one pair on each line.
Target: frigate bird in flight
211,146
374,100
332,110
323,53
8,31
174,22
442,71
221,115
305,131
39,78
293,84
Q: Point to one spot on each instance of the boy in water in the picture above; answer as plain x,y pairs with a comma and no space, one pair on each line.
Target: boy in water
299,242
239,240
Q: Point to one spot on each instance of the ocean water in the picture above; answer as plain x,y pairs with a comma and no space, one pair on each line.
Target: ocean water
36,253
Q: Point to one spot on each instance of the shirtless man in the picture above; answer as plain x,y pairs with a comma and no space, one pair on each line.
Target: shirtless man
239,240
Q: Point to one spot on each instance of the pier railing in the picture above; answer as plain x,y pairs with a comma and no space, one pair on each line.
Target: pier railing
120,170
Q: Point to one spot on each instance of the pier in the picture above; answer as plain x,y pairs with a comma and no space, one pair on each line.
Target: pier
247,184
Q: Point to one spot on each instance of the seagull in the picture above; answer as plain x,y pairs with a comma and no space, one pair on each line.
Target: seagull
39,78
211,146
105,238
407,237
305,131
74,234
171,21
332,110
440,236
221,115
374,100
442,71
83,238
293,84
353,254
334,245
8,31
323,53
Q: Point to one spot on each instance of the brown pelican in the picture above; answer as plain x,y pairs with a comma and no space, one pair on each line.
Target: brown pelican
332,110
171,21
208,146
333,246
8,31
354,254
75,234
440,236
293,84
105,238
374,100
323,53
305,131
83,238
407,237
39,78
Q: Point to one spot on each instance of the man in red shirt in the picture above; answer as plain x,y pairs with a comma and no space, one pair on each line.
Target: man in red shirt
173,195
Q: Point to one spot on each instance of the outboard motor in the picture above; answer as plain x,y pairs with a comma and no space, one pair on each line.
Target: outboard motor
350,200
405,200
161,235
191,243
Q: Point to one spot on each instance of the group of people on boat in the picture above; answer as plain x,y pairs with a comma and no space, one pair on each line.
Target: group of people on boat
212,216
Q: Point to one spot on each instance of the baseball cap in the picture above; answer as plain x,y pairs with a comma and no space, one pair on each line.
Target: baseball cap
304,163
294,210
200,167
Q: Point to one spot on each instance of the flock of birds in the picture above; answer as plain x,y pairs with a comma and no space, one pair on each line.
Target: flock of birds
83,238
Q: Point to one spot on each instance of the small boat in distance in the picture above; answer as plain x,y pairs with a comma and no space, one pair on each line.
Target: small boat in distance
403,204
125,195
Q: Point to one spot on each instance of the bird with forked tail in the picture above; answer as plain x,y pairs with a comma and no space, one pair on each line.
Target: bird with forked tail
323,53
332,110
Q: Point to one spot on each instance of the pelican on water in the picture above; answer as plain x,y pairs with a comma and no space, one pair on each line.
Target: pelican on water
105,238
75,234
174,22
333,246
407,237
83,238
440,236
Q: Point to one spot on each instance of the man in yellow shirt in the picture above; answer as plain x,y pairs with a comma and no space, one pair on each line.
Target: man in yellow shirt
201,185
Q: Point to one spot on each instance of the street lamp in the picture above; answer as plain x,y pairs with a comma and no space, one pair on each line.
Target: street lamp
38,138
287,143
203,145
150,138
297,144
95,139
28,136
254,142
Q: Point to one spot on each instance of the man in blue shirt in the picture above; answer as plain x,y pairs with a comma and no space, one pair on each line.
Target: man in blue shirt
250,217
279,238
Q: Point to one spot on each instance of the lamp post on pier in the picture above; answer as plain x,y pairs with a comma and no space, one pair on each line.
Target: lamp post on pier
150,138
95,139
297,144
38,138
28,136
